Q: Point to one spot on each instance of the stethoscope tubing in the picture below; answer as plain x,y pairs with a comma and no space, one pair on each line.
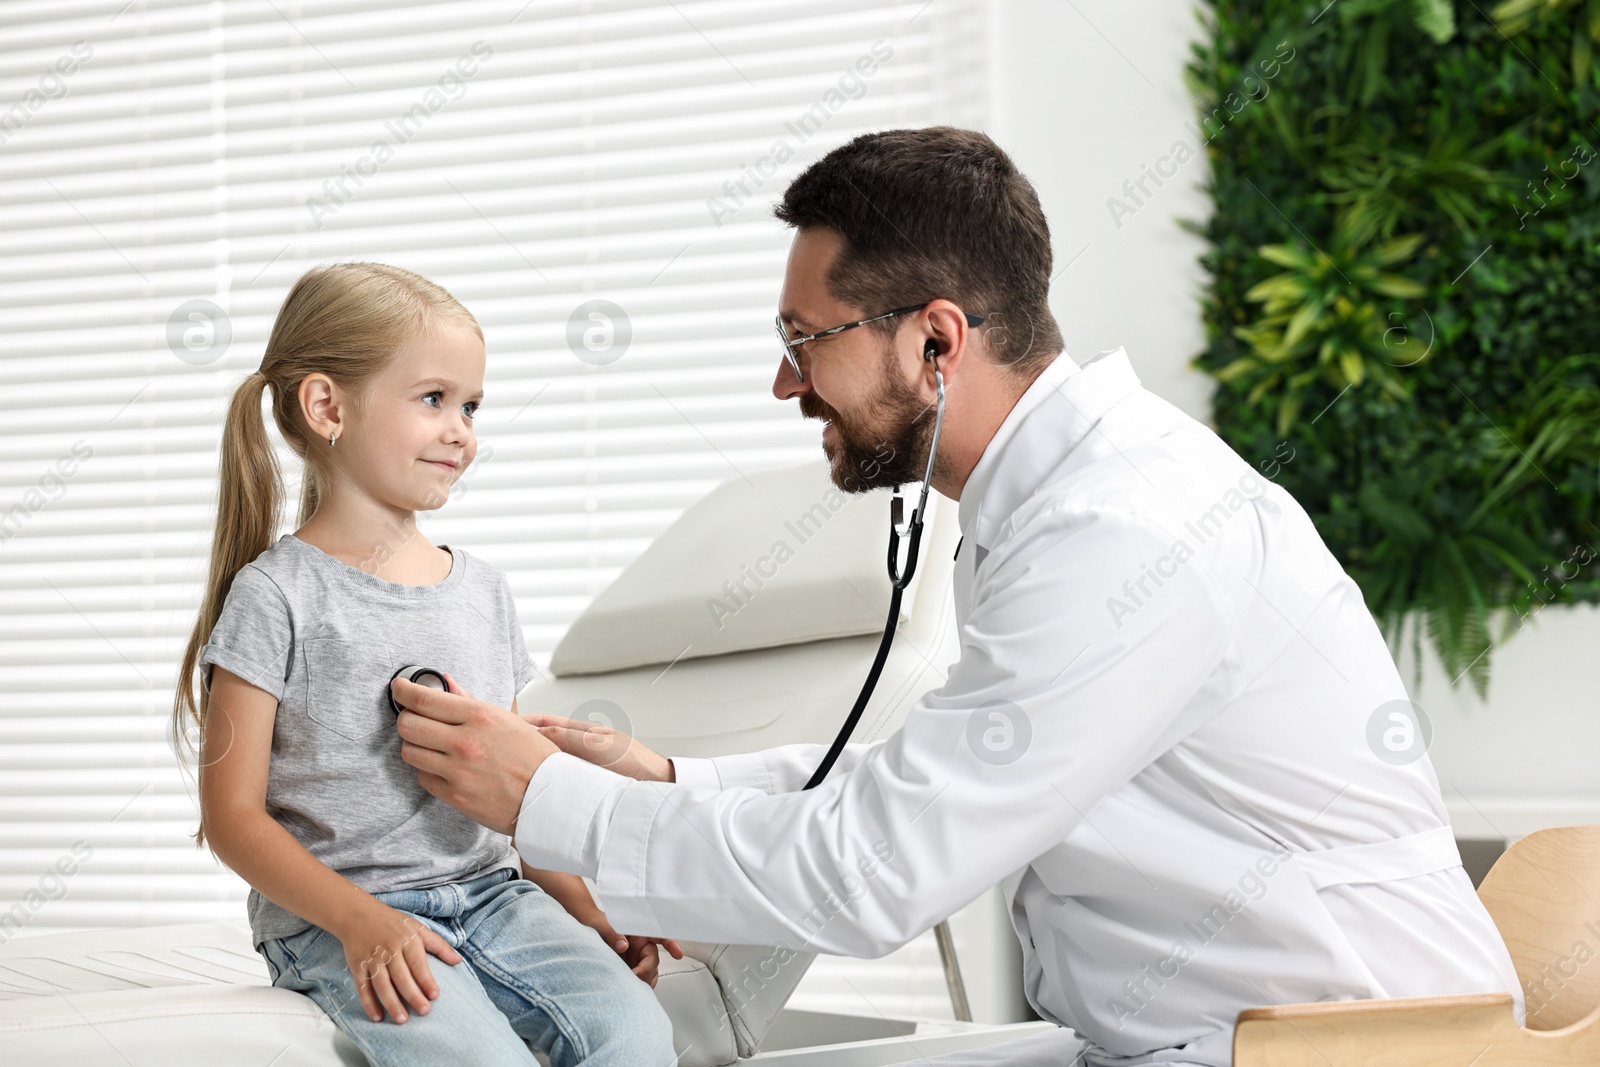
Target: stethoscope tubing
898,580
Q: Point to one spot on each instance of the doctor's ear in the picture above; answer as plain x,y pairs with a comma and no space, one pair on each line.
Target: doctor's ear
946,333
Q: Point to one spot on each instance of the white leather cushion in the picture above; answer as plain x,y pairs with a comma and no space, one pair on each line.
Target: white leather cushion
198,1025
701,1034
778,558
199,994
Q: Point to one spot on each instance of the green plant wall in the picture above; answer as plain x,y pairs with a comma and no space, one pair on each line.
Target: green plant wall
1403,303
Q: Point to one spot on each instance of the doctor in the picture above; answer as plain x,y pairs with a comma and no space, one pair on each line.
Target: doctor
1174,732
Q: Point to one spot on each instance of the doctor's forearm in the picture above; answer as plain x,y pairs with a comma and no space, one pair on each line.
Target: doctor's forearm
676,861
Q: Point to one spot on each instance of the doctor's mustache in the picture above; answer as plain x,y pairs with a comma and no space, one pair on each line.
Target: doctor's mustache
814,407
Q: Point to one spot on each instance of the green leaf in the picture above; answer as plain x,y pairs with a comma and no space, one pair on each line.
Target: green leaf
1511,9
1278,287
1504,555
1288,411
1353,366
1301,324
1237,369
1395,285
1287,256
1392,252
1514,16
1436,18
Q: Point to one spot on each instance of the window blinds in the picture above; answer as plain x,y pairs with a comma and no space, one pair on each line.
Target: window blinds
593,180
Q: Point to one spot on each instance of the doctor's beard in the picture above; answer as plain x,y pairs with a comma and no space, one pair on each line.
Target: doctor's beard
885,446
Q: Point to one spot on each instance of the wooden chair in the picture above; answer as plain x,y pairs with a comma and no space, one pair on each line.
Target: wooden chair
1544,895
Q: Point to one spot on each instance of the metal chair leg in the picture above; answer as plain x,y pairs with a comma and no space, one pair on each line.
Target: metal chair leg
952,972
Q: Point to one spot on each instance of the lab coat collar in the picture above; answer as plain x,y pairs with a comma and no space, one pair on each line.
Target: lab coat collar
1055,413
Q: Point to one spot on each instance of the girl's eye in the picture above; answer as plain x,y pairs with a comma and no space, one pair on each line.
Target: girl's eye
470,408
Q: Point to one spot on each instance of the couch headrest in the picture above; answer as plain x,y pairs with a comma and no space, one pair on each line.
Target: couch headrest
778,557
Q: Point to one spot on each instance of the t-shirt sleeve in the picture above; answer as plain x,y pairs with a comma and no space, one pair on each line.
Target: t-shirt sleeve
521,663
254,635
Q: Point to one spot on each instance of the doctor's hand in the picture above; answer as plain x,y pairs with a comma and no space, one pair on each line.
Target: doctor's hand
604,747
473,755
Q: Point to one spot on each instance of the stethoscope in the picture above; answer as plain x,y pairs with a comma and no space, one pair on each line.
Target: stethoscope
898,580
428,676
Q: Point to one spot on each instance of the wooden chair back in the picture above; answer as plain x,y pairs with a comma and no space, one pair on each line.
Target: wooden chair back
1544,895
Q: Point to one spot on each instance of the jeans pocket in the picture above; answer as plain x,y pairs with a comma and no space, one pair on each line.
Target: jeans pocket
277,964
286,956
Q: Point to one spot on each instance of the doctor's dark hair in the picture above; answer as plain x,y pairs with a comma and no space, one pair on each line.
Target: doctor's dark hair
930,213
345,320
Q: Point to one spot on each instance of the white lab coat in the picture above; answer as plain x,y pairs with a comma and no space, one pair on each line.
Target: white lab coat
1178,792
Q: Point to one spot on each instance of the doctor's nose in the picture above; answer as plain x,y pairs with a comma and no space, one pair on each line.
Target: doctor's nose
786,385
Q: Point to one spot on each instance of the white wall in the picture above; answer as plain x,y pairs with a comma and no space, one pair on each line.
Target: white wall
1525,758
1082,94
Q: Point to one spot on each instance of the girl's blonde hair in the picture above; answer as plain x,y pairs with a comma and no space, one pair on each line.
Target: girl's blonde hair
345,320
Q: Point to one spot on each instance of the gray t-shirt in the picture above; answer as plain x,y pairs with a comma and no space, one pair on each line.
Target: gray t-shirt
325,638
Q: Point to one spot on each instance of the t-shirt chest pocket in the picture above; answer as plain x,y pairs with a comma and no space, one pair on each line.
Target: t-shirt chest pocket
345,692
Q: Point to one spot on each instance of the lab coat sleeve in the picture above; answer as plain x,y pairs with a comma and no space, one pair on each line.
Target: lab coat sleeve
784,769
568,784
1059,697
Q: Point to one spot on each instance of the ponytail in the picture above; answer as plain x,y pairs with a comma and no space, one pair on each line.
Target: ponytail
247,521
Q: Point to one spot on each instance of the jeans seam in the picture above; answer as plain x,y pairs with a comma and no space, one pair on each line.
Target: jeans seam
552,1009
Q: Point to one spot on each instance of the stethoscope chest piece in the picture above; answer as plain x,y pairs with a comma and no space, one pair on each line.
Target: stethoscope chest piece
427,676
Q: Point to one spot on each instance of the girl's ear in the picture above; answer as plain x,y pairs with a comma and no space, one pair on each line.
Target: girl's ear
321,405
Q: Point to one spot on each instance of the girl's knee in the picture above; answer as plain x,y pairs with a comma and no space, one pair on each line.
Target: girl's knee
639,1033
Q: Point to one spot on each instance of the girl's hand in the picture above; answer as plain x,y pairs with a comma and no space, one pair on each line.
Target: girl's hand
387,952
645,958
596,920
639,953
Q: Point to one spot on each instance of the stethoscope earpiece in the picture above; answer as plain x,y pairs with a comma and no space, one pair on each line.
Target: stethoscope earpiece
427,676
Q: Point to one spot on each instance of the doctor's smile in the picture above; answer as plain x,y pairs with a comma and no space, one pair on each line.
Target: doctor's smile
776,534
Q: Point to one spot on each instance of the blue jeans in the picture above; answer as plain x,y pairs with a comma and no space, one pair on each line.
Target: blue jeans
530,973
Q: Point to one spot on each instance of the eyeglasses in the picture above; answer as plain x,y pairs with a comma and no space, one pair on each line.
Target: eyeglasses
792,344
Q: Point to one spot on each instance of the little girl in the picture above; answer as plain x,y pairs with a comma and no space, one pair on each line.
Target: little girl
358,874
